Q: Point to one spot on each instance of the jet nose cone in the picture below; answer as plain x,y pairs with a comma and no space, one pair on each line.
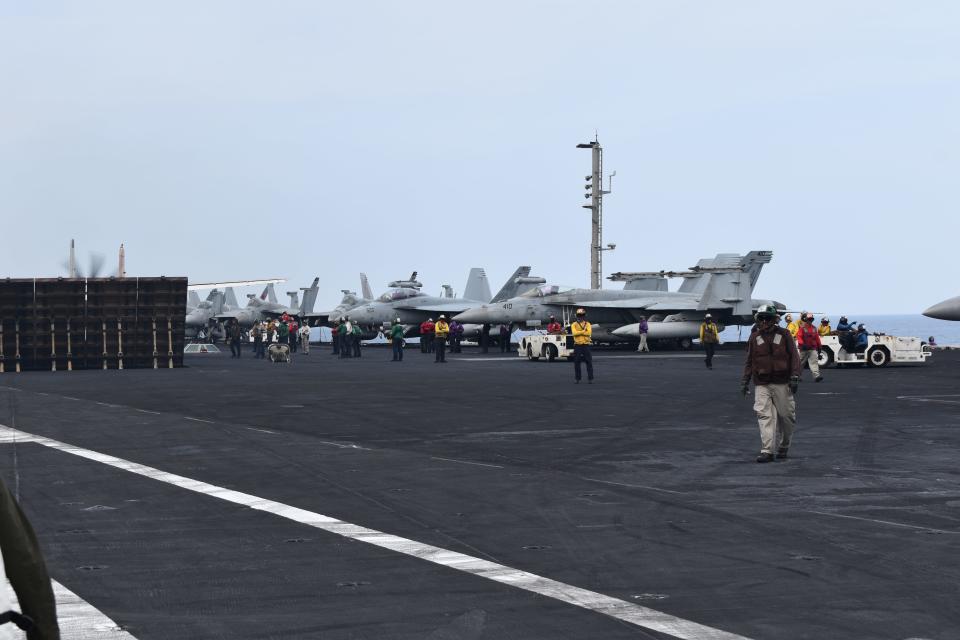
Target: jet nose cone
946,310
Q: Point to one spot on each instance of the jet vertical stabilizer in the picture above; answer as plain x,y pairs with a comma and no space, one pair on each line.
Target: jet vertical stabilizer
231,298
271,294
512,288
309,297
365,287
294,299
734,287
193,299
216,299
478,286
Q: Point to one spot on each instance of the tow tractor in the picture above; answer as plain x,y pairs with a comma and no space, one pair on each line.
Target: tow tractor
881,350
545,345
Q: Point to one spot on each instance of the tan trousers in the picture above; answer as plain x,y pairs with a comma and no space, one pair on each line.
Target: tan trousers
643,343
777,413
810,356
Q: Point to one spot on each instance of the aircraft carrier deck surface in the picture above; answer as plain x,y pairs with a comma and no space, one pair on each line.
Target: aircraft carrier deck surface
489,498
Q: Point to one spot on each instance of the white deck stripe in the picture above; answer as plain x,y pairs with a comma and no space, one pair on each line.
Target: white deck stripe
591,600
80,620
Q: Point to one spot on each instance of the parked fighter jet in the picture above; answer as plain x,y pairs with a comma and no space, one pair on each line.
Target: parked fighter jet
349,301
412,306
205,311
265,306
946,310
720,285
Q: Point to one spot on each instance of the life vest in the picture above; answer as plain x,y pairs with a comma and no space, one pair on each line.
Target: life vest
770,356
808,336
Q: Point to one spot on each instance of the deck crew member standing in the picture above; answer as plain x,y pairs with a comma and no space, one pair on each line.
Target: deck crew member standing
305,338
441,330
335,337
582,337
456,336
504,338
709,337
283,333
396,336
21,563
808,342
234,334
356,335
774,366
554,328
257,333
824,329
792,325
643,328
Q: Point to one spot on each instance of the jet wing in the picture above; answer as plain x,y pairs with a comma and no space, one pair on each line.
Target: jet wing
651,304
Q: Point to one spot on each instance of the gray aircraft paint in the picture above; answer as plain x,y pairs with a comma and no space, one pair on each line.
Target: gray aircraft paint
260,308
412,306
946,310
726,295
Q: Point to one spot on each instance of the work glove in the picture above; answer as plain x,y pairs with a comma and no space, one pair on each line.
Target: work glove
745,388
794,384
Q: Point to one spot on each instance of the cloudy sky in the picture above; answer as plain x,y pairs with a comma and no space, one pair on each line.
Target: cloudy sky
224,140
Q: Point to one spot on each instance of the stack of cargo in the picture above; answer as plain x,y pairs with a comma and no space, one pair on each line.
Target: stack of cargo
63,324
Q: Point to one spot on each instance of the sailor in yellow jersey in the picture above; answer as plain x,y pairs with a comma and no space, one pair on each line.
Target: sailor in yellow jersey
582,337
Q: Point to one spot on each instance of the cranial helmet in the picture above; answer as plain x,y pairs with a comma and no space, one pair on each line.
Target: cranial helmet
766,311
581,312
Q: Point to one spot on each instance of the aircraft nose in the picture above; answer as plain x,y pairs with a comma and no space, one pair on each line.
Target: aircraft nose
946,310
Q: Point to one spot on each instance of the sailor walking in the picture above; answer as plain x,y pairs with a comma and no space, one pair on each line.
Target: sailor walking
643,327
774,366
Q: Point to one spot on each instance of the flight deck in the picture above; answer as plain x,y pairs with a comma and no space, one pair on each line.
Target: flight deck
488,498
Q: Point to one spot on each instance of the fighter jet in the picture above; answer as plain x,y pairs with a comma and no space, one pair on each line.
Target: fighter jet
408,303
205,311
946,310
720,285
349,301
265,306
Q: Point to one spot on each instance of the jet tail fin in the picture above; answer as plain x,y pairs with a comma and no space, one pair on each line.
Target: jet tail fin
478,286
193,299
216,301
511,287
733,289
365,287
294,299
271,294
310,296
231,298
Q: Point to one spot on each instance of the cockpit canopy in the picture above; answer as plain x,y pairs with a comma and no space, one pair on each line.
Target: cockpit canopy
399,294
545,290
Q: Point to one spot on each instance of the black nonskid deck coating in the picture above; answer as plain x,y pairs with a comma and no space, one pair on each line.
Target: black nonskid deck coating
641,486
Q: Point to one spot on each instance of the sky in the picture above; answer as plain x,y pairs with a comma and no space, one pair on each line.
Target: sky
241,140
